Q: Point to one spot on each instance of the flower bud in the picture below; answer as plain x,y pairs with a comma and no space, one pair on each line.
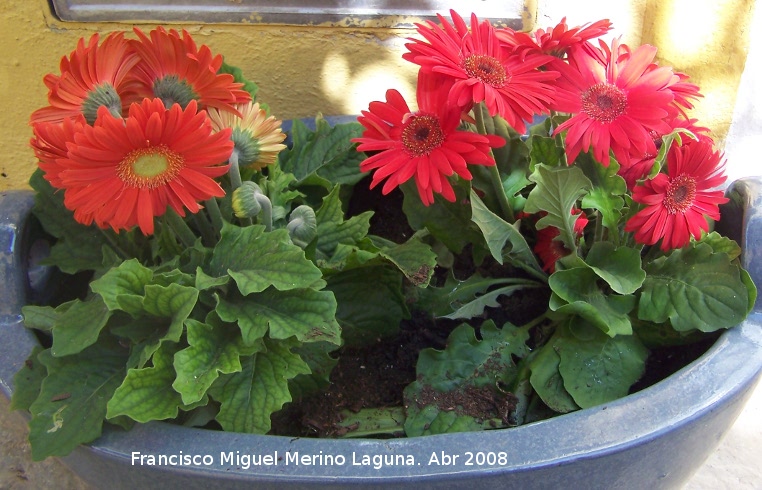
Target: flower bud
245,202
302,226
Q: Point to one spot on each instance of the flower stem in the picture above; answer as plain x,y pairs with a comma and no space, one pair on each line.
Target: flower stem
114,244
235,171
214,213
180,228
494,173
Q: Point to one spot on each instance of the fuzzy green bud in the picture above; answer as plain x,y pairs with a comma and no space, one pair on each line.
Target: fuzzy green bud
302,226
245,200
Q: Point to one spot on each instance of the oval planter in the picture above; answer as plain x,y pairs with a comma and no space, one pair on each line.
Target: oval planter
656,438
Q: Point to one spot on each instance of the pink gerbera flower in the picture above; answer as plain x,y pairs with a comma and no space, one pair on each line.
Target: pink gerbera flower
615,104
483,69
425,145
678,202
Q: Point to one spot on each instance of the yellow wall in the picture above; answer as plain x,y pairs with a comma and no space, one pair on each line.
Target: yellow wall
305,70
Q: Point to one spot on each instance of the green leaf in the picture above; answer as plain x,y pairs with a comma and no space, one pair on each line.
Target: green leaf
44,317
498,232
556,193
256,260
333,229
318,357
79,326
475,308
695,288
174,301
129,278
370,303
722,244
449,222
576,292
27,381
467,299
466,368
597,368
248,398
276,185
204,281
324,157
72,402
619,267
307,314
413,258
606,193
212,349
146,394
544,150
547,381
78,247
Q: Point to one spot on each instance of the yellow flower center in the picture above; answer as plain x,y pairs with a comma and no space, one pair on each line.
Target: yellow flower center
604,102
486,68
680,195
150,167
421,134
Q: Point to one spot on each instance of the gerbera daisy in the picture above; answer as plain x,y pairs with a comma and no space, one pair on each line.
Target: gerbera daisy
483,70
92,76
678,202
126,172
50,145
554,41
175,70
548,249
424,145
638,166
615,104
257,138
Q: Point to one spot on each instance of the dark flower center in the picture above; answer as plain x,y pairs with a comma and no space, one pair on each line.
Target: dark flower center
421,134
604,102
486,68
102,95
171,90
680,194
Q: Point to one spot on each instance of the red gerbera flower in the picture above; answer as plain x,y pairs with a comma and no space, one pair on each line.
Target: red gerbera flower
638,166
548,249
424,144
50,145
555,41
175,70
615,104
123,173
678,202
483,69
92,76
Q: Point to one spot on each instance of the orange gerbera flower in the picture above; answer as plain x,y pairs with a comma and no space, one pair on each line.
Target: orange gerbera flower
50,145
92,76
124,173
175,70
